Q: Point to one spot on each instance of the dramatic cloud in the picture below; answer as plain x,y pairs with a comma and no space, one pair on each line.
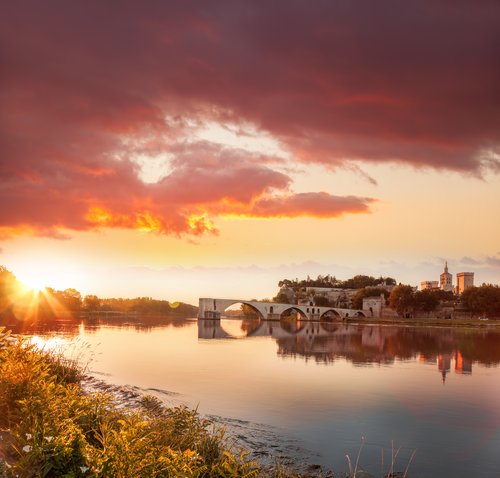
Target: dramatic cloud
309,204
205,181
90,89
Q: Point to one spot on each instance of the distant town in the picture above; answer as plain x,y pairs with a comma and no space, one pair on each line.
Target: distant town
383,297
317,298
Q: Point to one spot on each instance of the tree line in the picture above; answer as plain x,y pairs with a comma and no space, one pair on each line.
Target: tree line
329,281
407,301
478,301
17,300
143,305
368,284
483,300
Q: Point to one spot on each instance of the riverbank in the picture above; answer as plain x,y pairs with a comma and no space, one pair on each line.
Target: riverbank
426,321
50,425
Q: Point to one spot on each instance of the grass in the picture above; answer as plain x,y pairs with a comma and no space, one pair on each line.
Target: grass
355,471
50,427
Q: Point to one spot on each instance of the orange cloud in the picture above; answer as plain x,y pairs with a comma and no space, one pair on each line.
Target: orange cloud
85,190
146,221
80,100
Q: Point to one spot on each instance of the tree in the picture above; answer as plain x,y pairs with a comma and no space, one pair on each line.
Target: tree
8,282
9,285
249,311
484,300
71,299
329,281
426,300
91,302
359,281
283,298
402,300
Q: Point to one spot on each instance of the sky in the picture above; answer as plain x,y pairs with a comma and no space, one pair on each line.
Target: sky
182,149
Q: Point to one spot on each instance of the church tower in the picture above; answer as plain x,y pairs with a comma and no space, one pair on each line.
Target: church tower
445,279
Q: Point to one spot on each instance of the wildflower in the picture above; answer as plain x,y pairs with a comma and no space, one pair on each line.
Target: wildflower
27,448
29,436
83,469
49,439
191,455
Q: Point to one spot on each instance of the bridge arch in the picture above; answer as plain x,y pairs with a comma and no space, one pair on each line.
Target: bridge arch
293,308
291,326
260,314
327,314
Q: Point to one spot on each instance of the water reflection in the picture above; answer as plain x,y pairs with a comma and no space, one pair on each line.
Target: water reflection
325,384
71,326
327,342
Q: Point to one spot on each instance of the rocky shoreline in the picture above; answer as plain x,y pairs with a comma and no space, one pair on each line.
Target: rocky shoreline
265,444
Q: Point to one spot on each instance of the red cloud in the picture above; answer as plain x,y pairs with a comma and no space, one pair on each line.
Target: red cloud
86,86
206,181
309,204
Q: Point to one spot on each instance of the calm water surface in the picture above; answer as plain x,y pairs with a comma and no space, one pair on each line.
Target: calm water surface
322,387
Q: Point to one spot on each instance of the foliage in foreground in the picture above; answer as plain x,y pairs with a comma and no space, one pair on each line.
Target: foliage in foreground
49,427
55,429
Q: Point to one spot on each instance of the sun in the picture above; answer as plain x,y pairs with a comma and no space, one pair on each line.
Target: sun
34,282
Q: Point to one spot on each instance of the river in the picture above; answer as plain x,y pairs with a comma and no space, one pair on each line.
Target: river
314,392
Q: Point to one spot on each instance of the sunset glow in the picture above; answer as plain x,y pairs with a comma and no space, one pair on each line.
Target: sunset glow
249,238
234,153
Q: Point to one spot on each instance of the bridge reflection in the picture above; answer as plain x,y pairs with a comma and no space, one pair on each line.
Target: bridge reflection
446,348
239,328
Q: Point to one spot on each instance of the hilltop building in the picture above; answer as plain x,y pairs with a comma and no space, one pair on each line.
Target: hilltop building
429,284
464,281
446,279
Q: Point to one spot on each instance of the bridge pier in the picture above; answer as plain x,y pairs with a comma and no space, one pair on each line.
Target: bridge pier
210,314
273,316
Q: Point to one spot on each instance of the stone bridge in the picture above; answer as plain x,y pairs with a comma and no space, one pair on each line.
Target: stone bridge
215,308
